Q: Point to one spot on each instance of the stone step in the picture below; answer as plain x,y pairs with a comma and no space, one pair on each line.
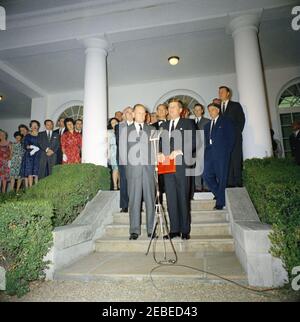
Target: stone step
197,216
196,243
205,228
137,266
199,205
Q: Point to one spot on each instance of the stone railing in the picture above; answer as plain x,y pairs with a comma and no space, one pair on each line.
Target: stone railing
252,243
71,242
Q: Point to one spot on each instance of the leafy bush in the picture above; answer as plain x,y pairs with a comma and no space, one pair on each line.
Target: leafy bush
27,221
274,187
25,238
69,188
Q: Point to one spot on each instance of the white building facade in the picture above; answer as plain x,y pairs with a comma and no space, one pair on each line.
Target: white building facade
97,57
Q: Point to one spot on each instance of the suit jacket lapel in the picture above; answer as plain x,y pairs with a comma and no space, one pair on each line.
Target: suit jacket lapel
179,124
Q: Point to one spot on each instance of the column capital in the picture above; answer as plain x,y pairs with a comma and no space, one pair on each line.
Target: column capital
245,21
96,43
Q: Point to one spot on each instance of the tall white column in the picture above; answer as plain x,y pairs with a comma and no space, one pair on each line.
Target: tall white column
94,145
250,82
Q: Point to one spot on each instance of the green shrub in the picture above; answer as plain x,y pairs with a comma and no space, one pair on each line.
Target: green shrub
25,238
69,188
27,221
274,187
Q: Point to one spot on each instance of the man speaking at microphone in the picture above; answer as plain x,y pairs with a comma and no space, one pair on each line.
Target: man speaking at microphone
178,142
140,172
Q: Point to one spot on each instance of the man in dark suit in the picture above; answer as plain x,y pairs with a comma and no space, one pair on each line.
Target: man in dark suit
295,141
200,121
161,113
234,111
49,144
60,131
121,132
219,141
178,141
140,173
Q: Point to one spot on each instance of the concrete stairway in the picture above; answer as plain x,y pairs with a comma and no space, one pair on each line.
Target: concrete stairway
210,248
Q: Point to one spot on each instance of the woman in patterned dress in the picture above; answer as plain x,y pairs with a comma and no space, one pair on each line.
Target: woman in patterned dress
71,143
5,155
112,152
16,161
31,160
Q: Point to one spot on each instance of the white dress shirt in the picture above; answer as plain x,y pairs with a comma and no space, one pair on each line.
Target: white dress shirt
175,124
198,119
222,104
211,124
137,127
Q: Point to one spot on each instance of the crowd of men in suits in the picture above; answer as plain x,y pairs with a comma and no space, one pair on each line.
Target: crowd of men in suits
222,141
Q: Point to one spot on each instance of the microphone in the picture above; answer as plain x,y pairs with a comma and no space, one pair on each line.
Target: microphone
155,136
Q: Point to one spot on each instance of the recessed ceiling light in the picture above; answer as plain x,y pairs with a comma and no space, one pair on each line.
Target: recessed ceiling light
173,60
1,98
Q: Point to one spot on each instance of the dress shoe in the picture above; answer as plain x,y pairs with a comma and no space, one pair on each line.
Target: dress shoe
174,235
185,236
133,236
218,208
154,236
124,210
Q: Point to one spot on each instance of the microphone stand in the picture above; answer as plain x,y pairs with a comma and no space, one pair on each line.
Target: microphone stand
160,216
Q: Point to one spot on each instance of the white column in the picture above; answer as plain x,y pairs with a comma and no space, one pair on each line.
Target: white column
94,145
251,88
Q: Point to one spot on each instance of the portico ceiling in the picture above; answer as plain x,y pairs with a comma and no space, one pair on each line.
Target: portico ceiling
41,41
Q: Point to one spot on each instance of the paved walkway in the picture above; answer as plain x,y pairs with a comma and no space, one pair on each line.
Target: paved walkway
134,291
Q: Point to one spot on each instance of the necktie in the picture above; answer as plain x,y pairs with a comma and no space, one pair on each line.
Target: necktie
172,138
211,131
141,130
172,126
223,107
49,135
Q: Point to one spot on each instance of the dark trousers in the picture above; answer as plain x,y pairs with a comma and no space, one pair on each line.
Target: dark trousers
236,164
215,175
123,187
177,187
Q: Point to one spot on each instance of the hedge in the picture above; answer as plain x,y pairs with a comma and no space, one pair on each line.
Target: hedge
69,188
274,187
25,237
27,221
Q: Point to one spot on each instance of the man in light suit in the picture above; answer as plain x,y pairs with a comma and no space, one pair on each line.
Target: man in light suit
200,121
219,141
234,111
49,144
140,172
